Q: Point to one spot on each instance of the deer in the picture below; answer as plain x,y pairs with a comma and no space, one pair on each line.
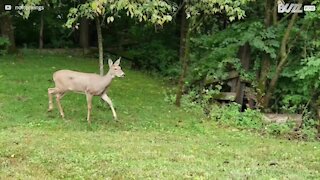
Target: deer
89,84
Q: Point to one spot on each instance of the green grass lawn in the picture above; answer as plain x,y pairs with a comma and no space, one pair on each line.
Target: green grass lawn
153,140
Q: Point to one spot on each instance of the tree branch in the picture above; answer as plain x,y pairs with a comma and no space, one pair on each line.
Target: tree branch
283,56
179,8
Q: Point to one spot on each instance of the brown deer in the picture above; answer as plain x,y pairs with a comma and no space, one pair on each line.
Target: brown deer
89,84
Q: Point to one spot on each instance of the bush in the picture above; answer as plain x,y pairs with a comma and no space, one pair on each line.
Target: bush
232,116
280,129
156,57
4,44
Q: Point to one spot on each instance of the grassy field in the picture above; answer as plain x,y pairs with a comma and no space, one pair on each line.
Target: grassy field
153,140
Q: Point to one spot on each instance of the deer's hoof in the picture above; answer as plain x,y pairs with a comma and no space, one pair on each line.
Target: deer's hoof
49,110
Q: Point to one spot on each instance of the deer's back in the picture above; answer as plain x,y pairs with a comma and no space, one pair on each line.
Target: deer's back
67,80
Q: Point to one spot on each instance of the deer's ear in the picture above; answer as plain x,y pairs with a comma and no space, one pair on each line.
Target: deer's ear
110,62
117,63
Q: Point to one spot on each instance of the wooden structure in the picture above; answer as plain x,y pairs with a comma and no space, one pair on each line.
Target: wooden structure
240,91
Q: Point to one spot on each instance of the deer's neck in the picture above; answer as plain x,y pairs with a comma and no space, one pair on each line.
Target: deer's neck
107,79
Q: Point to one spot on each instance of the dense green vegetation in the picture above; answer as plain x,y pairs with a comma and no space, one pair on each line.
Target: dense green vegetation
152,140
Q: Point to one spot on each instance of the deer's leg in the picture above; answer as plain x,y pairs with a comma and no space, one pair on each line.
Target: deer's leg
58,97
51,91
108,100
89,104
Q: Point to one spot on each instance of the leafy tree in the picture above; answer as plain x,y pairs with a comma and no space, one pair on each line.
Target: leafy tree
194,14
156,12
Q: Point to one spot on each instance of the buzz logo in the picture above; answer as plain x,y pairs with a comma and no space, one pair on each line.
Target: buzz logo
289,7
293,8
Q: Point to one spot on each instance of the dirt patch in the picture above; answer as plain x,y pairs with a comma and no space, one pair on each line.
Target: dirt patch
282,118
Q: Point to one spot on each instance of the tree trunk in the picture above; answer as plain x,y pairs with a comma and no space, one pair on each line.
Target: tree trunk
265,69
7,30
183,55
41,32
275,12
266,59
84,35
283,56
244,55
100,45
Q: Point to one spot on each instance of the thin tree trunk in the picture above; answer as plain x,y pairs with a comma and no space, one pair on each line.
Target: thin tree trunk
100,45
266,59
183,55
41,32
265,68
275,12
283,56
84,35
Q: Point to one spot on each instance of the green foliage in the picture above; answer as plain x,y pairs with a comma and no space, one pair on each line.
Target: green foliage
292,103
254,33
280,129
156,12
311,71
189,102
149,49
4,44
61,43
220,45
55,36
155,56
232,9
25,12
215,54
231,115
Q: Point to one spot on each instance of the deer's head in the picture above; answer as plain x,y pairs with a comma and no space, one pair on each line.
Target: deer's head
115,69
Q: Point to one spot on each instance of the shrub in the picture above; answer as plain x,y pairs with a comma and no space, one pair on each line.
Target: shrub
280,129
4,44
156,57
231,115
